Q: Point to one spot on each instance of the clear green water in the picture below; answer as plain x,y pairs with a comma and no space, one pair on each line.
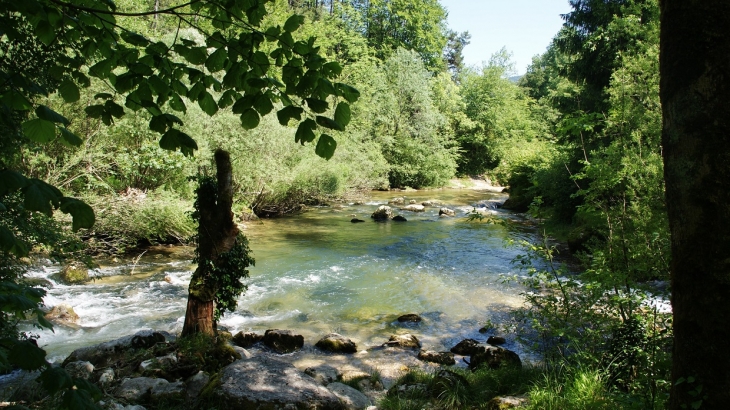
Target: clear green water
317,272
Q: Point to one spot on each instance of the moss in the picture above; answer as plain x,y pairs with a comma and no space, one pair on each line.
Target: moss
74,273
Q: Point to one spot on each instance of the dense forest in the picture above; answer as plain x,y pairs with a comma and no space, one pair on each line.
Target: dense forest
388,104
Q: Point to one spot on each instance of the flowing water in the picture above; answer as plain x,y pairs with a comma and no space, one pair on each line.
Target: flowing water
316,273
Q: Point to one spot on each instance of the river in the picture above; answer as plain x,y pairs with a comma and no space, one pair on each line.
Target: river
317,273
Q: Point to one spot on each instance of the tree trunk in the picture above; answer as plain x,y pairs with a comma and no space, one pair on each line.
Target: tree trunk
695,95
216,235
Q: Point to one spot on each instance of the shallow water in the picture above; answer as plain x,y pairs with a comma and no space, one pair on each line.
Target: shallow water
316,273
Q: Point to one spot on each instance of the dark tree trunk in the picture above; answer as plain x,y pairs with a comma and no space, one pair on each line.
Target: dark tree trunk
695,95
216,235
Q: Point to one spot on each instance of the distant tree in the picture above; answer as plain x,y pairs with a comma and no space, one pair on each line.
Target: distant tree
695,88
453,53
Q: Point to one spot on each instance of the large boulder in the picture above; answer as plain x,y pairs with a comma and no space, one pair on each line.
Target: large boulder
73,273
103,354
496,340
350,398
283,341
195,384
446,358
63,314
383,213
494,357
466,347
446,212
167,392
246,340
337,343
264,382
323,373
406,341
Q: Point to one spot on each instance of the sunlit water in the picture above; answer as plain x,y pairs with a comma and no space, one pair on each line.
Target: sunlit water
316,273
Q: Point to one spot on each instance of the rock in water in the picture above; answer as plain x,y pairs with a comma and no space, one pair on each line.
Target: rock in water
410,317
63,314
407,341
246,340
446,212
399,218
267,383
446,358
466,347
414,208
351,398
283,341
494,357
337,343
355,220
496,340
74,272
383,213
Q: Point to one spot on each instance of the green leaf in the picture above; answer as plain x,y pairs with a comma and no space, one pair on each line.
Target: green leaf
329,123
263,104
69,138
69,91
9,243
349,93
250,119
227,98
27,356
287,113
11,181
102,69
326,146
134,38
272,33
157,85
243,103
40,196
316,105
343,114
39,130
83,215
114,109
217,60
174,139
176,103
293,23
55,379
332,69
48,114
305,132
77,399
45,32
207,103
15,101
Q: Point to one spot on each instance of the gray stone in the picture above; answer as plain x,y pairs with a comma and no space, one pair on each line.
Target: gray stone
80,369
158,362
397,201
336,343
414,208
324,374
283,341
196,383
175,390
350,398
399,218
100,355
412,201
138,388
246,340
446,358
410,317
494,357
446,212
106,376
466,347
383,213
242,352
507,402
496,340
405,341
268,383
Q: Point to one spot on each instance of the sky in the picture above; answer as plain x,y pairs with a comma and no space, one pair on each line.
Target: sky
524,27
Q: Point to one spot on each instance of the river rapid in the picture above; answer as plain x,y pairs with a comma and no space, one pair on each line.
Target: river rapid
317,273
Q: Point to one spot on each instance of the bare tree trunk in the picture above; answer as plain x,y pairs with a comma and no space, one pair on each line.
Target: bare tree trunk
157,16
695,95
216,235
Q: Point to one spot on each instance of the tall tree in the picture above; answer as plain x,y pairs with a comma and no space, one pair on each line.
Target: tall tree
695,88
